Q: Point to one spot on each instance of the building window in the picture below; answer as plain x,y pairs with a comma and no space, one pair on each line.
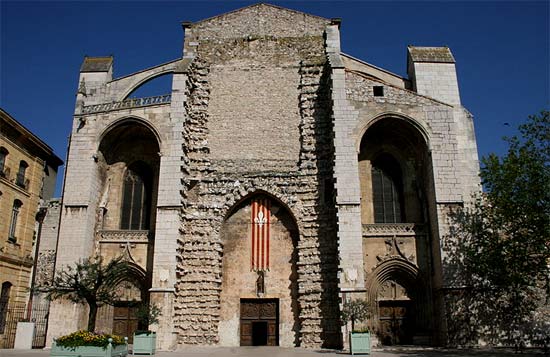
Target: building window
135,201
4,301
3,155
20,179
378,91
13,222
386,190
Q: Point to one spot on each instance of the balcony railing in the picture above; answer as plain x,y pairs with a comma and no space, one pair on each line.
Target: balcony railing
127,103
393,229
123,236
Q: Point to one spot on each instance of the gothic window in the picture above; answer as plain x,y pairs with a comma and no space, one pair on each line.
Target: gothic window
4,300
135,201
20,179
13,222
3,155
386,189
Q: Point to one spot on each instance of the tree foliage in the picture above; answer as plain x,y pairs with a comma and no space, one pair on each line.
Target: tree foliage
87,281
355,311
498,250
147,314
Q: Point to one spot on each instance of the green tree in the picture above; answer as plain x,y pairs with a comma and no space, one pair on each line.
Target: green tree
499,248
87,281
355,311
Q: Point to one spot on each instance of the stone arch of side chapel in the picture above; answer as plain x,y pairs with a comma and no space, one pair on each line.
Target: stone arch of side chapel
366,123
129,120
239,280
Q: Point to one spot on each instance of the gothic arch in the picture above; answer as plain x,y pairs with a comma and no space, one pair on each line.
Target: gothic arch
405,270
365,124
245,190
133,272
130,120
239,198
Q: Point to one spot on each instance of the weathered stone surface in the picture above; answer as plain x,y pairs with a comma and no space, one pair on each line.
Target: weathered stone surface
264,104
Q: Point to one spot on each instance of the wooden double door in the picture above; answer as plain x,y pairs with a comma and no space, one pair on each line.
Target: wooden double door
396,322
125,321
259,322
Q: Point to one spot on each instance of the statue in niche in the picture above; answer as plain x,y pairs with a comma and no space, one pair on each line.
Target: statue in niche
260,284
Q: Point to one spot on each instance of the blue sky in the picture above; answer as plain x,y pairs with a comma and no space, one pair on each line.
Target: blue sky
501,48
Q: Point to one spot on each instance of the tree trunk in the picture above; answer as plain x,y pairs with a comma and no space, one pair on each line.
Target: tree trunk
92,316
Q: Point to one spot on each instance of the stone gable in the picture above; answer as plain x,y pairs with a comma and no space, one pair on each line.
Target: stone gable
260,20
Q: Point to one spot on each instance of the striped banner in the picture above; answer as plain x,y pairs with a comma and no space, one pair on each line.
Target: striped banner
259,259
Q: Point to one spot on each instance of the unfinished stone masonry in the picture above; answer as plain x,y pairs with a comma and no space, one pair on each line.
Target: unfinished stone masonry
358,165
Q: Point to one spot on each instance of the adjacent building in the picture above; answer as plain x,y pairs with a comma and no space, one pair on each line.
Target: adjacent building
28,170
278,178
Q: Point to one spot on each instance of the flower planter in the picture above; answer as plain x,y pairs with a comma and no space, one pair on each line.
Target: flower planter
89,351
359,342
145,343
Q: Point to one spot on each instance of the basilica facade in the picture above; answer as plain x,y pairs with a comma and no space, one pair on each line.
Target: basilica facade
280,178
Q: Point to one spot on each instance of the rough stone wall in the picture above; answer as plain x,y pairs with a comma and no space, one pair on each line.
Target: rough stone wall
213,186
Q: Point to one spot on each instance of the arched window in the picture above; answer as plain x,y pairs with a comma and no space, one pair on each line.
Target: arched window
20,179
3,154
387,190
136,197
4,301
13,222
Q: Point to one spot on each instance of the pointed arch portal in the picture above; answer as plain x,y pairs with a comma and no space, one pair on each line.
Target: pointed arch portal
259,297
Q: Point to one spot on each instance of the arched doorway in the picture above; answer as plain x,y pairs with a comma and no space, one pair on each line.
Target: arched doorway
396,184
259,274
397,296
396,314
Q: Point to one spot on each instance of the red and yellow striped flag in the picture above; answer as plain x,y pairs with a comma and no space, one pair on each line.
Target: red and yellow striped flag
259,257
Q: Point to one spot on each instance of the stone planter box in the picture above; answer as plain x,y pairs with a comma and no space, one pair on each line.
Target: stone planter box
145,344
89,351
359,343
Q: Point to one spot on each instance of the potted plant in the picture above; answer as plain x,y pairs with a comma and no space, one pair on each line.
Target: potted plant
359,339
89,344
145,340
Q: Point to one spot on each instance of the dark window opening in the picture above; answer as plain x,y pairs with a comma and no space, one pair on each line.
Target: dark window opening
20,178
3,155
13,222
378,91
136,198
4,302
386,190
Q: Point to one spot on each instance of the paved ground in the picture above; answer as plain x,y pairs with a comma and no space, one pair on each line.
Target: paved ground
297,352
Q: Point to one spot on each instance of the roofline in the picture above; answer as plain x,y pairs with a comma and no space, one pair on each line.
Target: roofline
252,5
361,74
145,70
373,66
35,139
